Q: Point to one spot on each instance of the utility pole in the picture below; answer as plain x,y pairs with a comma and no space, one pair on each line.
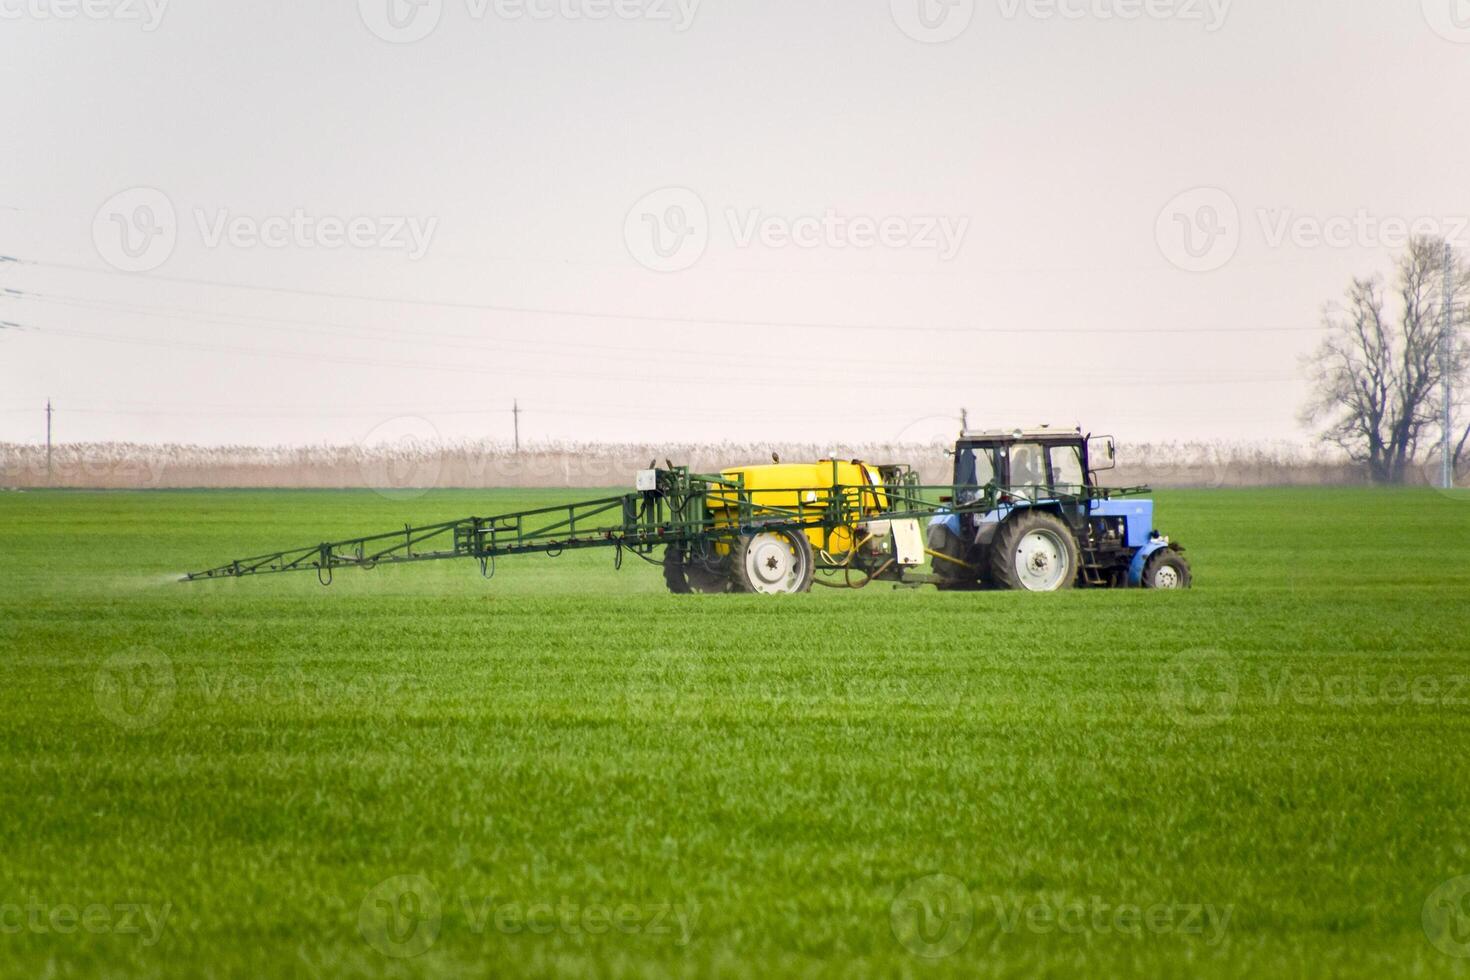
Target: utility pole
1446,359
48,442
964,420
515,411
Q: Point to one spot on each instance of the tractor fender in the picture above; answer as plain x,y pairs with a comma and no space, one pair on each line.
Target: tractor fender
946,519
1141,557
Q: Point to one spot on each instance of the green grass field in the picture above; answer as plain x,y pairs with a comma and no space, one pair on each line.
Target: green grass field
567,771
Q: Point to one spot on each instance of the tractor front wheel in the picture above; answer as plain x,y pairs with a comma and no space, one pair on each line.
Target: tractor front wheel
1167,569
773,563
1034,552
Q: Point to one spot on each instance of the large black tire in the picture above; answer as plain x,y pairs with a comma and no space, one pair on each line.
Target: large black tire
1167,569
772,563
951,571
675,576
685,573
706,576
1033,552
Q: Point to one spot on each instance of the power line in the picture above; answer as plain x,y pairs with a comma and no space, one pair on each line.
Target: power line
611,352
1092,379
651,318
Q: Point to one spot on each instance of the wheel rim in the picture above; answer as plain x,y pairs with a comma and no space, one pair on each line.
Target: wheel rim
1166,577
1041,561
773,564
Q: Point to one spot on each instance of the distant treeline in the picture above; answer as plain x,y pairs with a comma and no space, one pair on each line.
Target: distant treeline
485,464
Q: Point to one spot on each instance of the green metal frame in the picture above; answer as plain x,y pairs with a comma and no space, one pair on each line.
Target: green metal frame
681,511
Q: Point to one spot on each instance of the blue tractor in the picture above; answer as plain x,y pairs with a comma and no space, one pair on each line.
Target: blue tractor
1052,526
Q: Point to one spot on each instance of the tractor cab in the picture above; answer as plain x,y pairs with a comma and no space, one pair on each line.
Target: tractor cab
1031,464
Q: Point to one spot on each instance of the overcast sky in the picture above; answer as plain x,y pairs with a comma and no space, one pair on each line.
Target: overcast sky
286,222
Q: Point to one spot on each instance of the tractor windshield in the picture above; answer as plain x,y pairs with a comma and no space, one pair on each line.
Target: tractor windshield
1066,469
1028,466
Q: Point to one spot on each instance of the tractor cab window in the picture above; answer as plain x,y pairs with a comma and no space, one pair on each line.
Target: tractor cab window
974,471
1066,467
1028,466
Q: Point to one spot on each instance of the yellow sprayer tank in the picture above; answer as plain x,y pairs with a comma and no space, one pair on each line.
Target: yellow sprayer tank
806,488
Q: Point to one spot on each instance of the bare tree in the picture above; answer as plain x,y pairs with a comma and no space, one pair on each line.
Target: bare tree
1376,378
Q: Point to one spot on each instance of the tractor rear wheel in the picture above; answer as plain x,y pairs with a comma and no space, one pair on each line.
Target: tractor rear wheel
686,572
705,573
773,563
675,576
1033,552
1167,569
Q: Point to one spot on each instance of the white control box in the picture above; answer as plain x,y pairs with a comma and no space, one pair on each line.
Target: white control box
908,542
647,480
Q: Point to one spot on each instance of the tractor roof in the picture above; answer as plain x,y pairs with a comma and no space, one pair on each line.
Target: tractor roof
1021,435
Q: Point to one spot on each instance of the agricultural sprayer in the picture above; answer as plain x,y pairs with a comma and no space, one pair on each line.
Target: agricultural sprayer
1024,512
